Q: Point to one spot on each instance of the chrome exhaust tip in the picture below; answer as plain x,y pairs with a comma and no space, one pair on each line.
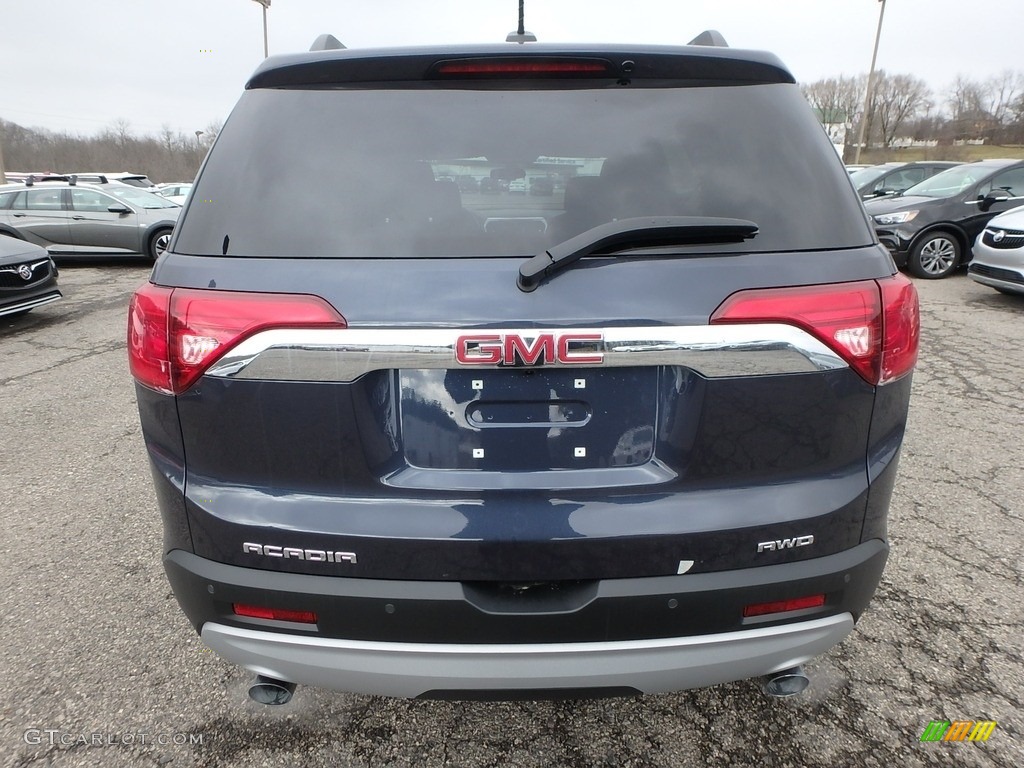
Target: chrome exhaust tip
788,682
267,690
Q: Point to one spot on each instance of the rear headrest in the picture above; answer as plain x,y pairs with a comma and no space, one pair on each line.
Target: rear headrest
581,192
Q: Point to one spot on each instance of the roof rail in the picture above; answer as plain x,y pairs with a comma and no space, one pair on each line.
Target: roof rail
30,180
327,43
710,37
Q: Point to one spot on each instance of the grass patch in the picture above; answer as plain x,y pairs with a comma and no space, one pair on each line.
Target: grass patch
960,154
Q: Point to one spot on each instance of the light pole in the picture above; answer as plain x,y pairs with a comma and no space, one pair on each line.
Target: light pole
870,86
265,4
198,134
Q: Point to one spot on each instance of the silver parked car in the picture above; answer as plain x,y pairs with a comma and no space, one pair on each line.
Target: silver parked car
70,219
999,253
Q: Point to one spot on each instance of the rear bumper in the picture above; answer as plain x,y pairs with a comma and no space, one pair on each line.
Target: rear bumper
412,670
415,638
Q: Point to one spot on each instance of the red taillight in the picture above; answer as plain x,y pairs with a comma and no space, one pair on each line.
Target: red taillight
872,324
781,606
278,614
147,337
901,327
174,335
524,67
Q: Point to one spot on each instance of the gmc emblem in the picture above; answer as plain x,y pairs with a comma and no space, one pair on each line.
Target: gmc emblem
514,349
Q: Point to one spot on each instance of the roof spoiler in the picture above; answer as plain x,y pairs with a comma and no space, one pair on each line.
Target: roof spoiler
327,43
710,37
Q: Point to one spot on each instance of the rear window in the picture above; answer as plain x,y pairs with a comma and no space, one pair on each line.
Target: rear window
462,172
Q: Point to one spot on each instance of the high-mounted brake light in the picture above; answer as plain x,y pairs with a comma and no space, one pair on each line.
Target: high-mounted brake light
872,324
174,335
523,67
277,614
781,606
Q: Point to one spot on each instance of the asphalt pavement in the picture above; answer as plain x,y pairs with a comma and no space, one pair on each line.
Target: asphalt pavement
99,667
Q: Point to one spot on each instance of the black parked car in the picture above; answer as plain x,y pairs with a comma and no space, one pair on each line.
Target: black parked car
639,440
895,178
28,277
929,229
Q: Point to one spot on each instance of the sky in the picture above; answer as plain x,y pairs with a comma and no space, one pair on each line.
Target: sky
80,65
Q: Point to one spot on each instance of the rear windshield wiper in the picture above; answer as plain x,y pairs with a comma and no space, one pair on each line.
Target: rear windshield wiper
642,232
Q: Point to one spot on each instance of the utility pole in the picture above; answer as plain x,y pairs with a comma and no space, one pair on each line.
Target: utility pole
870,87
265,4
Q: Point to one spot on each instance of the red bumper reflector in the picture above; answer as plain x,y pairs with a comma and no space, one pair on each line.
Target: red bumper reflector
278,614
781,606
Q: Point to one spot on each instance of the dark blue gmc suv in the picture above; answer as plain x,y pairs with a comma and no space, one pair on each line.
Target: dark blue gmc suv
417,433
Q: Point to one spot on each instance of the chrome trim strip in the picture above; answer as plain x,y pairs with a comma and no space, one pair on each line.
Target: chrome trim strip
412,669
649,473
1007,200
995,282
343,355
30,304
33,266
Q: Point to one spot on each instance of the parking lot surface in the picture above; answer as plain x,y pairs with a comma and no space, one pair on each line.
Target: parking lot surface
100,668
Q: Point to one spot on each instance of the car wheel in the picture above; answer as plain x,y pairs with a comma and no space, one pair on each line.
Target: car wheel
937,255
158,243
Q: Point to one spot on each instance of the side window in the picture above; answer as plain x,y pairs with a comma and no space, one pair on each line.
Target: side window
909,178
901,179
89,200
43,200
6,199
1010,181
18,204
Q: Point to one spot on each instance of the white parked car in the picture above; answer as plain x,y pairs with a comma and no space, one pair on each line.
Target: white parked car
139,180
175,192
999,253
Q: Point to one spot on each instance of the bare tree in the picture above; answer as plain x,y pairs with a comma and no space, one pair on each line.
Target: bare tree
167,138
122,129
897,99
1015,131
210,133
835,95
837,99
967,104
166,157
1003,92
